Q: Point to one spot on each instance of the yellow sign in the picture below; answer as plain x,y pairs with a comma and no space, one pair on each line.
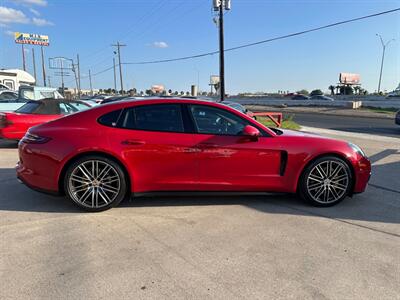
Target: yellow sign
32,39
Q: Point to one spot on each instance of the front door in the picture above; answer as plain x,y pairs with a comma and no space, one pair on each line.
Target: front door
229,161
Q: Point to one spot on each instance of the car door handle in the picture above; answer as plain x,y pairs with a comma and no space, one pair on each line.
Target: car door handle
191,150
133,142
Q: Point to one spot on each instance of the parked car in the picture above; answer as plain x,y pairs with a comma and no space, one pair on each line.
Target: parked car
6,95
9,100
14,125
100,98
300,97
397,118
113,99
99,156
321,97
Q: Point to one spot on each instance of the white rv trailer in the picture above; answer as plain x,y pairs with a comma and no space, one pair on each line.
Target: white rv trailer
14,78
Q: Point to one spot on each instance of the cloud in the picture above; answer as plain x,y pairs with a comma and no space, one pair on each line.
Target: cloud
41,22
35,12
10,15
160,45
32,2
9,32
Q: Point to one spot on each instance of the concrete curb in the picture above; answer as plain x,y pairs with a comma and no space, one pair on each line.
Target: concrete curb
366,136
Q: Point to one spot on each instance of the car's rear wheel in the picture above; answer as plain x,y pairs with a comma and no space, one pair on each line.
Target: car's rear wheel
95,183
326,181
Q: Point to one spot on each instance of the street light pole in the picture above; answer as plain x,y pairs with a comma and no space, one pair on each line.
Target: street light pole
383,58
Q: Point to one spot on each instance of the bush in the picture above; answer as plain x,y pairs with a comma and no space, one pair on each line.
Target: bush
316,93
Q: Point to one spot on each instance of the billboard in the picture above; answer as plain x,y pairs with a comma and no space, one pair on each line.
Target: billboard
349,78
31,39
214,79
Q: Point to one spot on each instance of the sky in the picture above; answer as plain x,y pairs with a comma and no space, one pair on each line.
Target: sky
163,29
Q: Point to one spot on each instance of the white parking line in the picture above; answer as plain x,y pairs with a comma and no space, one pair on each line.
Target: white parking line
351,134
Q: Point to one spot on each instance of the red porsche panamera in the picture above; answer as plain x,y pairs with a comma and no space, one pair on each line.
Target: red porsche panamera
99,156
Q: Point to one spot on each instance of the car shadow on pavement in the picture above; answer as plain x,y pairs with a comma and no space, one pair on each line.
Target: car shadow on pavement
5,144
377,204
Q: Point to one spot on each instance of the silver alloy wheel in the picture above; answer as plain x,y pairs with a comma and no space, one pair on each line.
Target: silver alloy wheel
328,181
94,184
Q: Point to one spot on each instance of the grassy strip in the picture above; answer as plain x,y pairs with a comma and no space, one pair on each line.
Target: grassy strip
382,110
286,124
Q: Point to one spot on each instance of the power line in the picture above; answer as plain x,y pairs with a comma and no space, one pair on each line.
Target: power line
252,44
264,41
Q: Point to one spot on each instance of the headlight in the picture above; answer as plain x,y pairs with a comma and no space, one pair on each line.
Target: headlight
357,149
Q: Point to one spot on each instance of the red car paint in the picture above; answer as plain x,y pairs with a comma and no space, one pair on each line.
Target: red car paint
171,161
13,125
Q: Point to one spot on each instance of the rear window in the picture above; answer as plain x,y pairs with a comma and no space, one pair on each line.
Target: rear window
28,108
110,119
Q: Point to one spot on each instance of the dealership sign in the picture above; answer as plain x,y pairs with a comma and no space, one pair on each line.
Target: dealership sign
31,39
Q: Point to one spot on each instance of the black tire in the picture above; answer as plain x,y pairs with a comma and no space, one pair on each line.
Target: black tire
116,193
309,186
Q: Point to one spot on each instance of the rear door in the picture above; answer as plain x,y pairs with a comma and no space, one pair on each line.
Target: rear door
161,156
229,161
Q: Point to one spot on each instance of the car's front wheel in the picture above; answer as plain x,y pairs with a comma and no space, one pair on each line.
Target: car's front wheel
326,181
95,183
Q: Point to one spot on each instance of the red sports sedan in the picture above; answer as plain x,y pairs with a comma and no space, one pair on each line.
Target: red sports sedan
14,125
99,156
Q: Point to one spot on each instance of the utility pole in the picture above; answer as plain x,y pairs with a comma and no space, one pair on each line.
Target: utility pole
383,58
34,64
43,68
118,45
62,78
48,78
90,82
115,76
23,57
79,76
221,6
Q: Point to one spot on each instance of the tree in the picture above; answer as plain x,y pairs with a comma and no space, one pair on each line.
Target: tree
346,90
316,93
303,92
332,89
169,92
148,92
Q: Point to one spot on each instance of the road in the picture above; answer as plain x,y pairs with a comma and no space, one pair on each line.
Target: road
259,247
383,127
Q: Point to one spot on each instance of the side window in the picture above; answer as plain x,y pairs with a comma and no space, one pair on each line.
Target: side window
77,106
158,117
211,120
111,118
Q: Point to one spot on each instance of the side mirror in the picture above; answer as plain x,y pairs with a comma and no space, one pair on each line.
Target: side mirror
251,132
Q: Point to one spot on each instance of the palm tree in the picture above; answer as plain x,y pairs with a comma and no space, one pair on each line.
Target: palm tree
332,88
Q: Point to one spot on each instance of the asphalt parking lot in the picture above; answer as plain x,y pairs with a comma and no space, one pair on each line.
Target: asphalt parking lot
247,247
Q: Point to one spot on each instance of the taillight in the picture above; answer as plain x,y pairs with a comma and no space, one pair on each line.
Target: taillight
3,120
30,138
